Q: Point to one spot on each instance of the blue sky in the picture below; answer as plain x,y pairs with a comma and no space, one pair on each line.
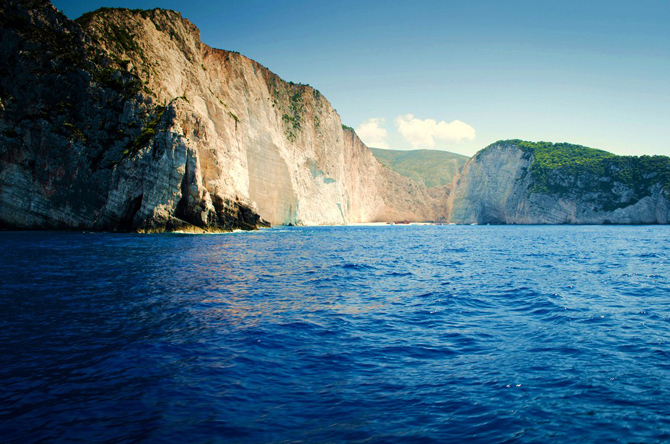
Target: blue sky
459,75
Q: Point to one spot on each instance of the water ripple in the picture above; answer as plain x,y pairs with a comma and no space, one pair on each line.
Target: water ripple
365,334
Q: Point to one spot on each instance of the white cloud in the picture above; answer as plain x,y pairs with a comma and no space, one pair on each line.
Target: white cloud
423,133
373,133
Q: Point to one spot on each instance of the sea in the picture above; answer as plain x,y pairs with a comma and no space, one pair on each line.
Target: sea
361,334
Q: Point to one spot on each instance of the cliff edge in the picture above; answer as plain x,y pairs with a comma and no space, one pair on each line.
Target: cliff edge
125,120
517,182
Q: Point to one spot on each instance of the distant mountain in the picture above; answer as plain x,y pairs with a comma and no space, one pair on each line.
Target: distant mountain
431,167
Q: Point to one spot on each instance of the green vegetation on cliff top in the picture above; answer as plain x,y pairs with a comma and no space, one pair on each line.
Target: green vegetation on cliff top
430,167
564,168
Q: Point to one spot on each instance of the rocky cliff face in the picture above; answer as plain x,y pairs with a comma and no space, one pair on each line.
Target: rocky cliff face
125,120
507,183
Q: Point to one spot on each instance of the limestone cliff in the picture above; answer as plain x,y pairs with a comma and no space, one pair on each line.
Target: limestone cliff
125,120
516,182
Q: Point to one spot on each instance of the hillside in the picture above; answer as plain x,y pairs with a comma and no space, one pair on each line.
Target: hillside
517,182
432,168
565,169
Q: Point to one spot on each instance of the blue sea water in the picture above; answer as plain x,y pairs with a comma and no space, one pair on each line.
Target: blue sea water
337,334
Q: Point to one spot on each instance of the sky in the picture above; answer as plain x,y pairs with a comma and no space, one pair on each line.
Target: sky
457,75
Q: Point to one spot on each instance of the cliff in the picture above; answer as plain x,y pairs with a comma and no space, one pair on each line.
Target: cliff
125,120
516,182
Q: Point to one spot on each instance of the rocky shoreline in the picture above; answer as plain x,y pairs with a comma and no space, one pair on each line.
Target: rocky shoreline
123,120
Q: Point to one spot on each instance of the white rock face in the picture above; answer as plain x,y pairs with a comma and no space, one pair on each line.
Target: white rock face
213,141
490,188
494,187
276,146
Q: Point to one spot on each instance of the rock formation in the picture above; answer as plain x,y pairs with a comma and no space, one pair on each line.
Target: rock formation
124,120
516,182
